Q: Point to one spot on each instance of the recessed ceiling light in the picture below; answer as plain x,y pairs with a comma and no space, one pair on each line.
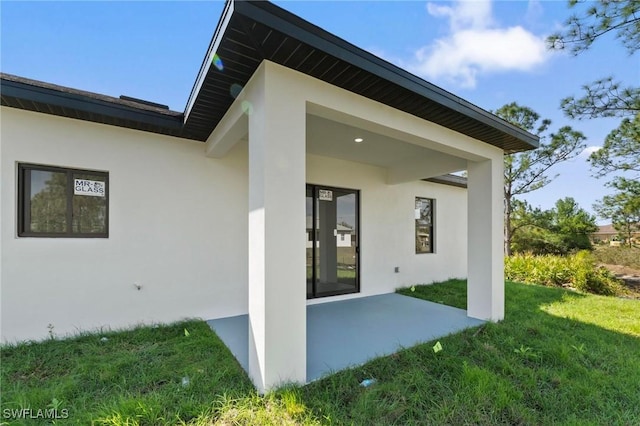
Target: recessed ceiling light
358,140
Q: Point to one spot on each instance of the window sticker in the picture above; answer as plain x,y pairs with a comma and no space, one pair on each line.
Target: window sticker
92,188
325,195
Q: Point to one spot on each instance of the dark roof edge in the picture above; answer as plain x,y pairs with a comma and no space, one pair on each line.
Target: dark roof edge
208,57
449,179
143,102
294,26
65,97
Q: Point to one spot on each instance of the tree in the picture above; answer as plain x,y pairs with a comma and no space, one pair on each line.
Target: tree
621,150
528,171
560,230
572,224
604,97
600,18
529,229
623,207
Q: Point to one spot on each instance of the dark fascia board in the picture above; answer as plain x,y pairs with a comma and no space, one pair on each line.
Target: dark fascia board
271,15
449,179
206,62
34,91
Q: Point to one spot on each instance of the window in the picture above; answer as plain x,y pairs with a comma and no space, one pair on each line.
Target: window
424,225
59,202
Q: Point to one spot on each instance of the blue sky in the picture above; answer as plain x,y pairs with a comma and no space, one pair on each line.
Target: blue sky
488,52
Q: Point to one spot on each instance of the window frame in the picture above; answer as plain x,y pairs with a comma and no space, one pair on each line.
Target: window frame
432,227
24,201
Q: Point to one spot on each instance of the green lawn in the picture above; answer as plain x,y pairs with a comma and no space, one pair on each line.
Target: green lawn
558,358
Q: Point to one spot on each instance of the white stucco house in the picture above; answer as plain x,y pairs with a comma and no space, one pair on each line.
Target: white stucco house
117,211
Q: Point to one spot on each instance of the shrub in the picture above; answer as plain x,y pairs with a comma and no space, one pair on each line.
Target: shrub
541,241
625,256
578,271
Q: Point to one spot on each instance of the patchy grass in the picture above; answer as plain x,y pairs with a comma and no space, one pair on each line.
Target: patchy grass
535,367
559,357
131,377
452,292
624,256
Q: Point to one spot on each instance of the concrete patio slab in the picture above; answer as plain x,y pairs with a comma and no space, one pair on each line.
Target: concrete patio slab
351,332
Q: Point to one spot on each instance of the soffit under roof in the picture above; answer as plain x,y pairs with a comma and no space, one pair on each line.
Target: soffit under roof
258,31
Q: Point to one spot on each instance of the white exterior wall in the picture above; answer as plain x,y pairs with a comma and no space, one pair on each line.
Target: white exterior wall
387,226
178,227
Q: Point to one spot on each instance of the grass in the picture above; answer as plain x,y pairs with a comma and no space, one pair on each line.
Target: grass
136,375
559,357
623,255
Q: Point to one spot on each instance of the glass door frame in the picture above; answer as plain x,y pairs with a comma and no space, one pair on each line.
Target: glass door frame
314,239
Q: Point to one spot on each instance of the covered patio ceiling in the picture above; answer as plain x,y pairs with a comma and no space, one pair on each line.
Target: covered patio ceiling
338,124
334,139
333,134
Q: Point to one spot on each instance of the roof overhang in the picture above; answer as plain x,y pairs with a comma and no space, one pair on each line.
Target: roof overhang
248,33
48,98
252,31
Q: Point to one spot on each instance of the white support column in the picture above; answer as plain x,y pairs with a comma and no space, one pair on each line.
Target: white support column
277,275
485,277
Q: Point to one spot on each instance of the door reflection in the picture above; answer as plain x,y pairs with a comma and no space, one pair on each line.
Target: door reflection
332,241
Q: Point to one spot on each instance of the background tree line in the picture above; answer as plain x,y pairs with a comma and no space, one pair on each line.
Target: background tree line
566,227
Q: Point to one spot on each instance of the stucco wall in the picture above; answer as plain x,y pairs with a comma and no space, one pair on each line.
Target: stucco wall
387,228
178,228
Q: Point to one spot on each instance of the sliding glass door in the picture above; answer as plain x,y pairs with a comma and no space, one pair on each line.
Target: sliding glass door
332,241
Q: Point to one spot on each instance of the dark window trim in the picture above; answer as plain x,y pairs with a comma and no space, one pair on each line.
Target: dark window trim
24,197
432,228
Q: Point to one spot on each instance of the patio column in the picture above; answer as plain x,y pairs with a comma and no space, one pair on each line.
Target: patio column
485,283
277,275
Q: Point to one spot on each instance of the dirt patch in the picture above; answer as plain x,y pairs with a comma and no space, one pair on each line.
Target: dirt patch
630,276
620,270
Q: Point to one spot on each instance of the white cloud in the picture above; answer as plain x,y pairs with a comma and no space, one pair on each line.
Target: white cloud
465,14
476,45
589,150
